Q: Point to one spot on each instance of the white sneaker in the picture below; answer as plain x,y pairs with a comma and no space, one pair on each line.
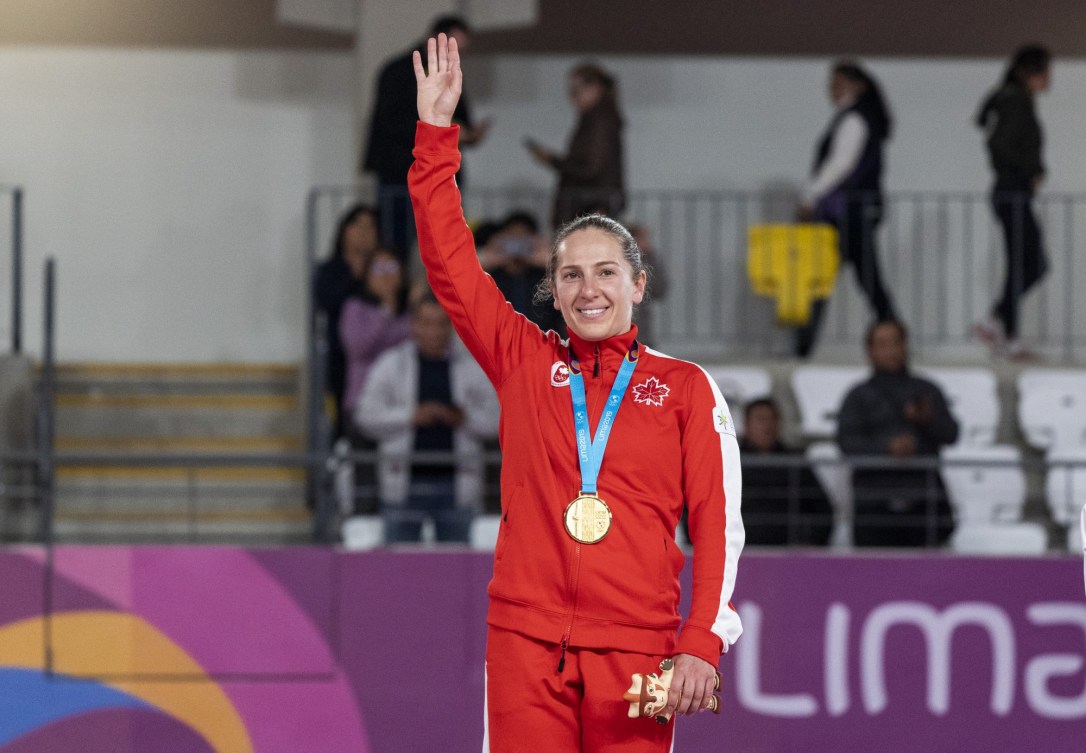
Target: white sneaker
990,332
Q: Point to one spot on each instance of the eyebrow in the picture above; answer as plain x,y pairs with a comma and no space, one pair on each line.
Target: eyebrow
597,265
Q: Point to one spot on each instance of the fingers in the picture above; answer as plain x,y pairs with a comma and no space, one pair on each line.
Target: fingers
443,52
431,55
420,72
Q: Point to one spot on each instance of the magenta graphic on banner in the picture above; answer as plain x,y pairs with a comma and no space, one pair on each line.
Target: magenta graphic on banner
314,650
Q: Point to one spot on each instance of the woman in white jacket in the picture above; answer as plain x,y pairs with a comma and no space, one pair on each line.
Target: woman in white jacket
425,396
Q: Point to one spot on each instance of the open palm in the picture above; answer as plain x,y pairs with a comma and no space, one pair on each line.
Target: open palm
439,84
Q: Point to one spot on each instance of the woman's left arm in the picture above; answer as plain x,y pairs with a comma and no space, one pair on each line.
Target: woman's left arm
712,487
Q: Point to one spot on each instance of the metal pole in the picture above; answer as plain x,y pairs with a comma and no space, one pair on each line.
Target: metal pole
46,428
17,271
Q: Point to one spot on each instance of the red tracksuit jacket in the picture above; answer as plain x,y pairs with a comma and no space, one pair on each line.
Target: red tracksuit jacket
673,445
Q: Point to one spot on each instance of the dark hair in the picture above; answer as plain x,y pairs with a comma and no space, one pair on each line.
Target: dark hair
448,24
521,217
631,252
871,103
361,287
1028,60
762,402
591,73
869,336
345,221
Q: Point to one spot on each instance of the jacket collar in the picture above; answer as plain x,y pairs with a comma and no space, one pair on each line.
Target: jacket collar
585,350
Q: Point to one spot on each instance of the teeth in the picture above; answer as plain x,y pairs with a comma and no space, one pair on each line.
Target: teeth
591,312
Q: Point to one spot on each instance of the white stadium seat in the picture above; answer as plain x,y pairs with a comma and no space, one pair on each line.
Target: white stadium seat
991,489
1052,407
999,538
972,396
819,392
363,532
835,476
740,385
1065,483
484,532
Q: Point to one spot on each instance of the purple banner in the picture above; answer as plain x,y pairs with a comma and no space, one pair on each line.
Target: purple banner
230,650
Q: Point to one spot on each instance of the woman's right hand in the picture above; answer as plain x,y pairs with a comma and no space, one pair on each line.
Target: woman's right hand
439,85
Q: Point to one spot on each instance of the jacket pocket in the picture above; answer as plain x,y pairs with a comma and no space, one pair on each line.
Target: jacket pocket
504,528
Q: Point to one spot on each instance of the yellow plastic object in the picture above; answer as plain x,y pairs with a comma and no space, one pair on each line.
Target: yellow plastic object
796,264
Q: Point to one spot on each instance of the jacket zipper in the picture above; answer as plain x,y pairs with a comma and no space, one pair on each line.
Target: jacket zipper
575,576
596,367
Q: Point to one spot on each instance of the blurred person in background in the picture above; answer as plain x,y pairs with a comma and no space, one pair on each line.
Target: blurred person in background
1014,139
845,188
426,396
896,415
356,239
646,313
590,173
374,319
781,505
515,254
392,135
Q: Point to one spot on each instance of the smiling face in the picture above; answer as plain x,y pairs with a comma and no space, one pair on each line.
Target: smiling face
594,286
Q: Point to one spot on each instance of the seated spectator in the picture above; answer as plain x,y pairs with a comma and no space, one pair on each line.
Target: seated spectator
780,505
515,255
425,397
374,319
355,240
897,415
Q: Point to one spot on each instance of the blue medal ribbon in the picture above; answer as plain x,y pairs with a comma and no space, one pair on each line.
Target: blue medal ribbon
590,451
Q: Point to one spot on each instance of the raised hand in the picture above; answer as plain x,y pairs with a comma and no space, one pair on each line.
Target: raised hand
439,85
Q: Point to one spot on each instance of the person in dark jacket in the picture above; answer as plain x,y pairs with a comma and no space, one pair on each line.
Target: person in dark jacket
845,189
392,135
783,505
897,415
590,175
1009,117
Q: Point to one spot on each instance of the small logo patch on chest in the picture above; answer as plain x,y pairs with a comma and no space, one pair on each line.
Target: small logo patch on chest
559,374
651,392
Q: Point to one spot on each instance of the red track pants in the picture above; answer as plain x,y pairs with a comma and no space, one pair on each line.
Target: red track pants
531,706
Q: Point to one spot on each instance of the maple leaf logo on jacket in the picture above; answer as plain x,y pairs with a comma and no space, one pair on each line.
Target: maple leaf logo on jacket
651,392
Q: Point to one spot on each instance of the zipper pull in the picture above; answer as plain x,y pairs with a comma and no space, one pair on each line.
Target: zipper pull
596,368
562,658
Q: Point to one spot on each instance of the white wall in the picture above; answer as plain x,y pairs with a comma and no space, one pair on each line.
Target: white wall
751,123
170,185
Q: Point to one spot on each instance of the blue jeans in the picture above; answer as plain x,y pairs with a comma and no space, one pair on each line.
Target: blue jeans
428,498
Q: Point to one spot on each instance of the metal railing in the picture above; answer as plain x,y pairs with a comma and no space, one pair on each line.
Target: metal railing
941,256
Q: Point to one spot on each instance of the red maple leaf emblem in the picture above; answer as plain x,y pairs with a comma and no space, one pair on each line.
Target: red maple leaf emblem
651,392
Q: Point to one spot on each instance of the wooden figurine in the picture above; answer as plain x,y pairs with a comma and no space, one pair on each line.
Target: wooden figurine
647,694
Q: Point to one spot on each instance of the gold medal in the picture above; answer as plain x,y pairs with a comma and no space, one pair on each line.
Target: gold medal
588,519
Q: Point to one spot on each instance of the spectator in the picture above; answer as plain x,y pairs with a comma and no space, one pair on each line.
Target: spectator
374,319
899,416
845,189
646,319
1014,143
422,396
392,135
355,240
515,255
590,176
782,505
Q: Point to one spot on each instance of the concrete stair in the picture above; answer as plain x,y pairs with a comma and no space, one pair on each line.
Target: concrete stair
179,452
